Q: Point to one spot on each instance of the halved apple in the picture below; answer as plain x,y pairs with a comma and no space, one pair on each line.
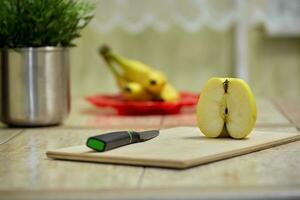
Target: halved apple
226,108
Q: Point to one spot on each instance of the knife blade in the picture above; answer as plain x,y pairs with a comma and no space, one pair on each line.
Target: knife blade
112,140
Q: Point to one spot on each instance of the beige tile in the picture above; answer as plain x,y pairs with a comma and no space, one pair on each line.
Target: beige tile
268,113
8,134
84,115
277,166
24,164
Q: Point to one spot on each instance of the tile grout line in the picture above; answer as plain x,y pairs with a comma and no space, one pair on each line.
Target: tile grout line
280,108
162,119
10,138
141,178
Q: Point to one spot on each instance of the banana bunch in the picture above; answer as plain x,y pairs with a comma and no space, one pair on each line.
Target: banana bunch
139,82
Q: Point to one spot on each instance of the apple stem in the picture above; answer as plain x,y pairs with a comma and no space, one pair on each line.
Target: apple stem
225,84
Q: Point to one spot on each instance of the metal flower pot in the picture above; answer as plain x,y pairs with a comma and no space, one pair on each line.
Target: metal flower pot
35,86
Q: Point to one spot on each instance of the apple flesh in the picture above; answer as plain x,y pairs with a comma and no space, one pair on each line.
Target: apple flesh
226,108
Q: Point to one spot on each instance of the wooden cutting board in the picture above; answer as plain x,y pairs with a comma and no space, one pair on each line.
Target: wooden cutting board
180,147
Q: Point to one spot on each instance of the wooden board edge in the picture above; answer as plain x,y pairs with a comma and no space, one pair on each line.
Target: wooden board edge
234,153
158,163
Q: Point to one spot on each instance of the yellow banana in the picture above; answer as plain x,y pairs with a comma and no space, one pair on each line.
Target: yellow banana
130,90
152,80
135,92
168,93
137,72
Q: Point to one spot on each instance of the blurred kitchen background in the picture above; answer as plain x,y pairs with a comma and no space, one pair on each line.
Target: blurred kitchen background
192,40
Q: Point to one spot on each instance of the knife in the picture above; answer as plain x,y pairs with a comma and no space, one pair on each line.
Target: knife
117,139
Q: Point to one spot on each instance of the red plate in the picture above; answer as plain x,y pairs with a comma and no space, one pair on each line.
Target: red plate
124,107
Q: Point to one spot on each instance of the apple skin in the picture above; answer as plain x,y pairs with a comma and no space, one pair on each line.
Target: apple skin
227,108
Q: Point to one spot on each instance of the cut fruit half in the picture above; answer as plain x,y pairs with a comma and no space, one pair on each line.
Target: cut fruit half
226,108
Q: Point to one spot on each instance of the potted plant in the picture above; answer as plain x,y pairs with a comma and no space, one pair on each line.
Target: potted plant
35,37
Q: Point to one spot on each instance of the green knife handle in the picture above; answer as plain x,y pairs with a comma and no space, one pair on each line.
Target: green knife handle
112,140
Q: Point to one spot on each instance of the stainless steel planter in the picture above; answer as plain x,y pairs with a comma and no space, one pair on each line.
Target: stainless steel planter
35,89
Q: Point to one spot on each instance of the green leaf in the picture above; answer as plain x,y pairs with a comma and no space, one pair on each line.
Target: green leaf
25,23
